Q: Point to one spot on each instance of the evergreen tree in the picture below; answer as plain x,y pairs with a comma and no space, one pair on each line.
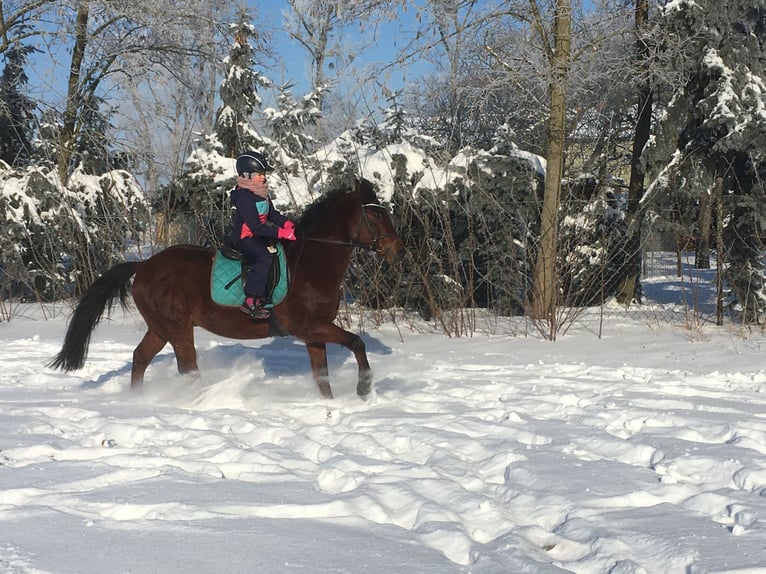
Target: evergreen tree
630,288
592,237
196,203
292,122
468,240
55,240
394,125
498,220
717,108
239,92
16,109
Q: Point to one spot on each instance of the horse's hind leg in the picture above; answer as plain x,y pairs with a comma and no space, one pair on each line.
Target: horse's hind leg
186,354
147,349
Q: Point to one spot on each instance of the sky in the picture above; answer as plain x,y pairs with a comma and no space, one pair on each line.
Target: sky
642,451
374,45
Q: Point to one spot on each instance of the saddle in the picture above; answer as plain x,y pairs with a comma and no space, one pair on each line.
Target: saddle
227,278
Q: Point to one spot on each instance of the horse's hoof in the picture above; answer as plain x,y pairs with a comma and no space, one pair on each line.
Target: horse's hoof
364,385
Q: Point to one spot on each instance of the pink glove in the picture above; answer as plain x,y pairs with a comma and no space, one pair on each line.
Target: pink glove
285,233
288,225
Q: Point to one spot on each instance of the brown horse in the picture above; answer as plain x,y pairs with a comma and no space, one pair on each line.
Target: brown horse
172,292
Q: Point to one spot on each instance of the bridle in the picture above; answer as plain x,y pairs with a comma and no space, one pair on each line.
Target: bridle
363,219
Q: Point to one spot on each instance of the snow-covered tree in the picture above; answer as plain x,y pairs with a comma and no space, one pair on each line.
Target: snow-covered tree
55,240
197,201
114,43
592,243
630,288
543,300
467,224
291,123
239,91
716,122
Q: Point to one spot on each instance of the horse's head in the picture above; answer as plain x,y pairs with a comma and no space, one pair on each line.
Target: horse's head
353,218
376,230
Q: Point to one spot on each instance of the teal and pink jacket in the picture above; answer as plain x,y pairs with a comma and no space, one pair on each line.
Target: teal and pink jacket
251,215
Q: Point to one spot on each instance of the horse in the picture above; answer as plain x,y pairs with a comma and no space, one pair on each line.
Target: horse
172,292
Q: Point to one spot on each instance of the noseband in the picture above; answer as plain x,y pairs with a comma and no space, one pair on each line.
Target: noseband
373,246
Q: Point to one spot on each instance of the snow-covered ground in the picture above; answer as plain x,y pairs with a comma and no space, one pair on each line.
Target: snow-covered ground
643,451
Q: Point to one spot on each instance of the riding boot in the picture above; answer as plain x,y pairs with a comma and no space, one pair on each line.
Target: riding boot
253,307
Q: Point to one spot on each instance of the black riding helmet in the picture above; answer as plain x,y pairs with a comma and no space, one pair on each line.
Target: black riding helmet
252,162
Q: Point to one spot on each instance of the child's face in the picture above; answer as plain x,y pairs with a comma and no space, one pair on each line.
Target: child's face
258,177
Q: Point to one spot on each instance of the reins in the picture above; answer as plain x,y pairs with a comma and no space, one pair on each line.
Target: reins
356,244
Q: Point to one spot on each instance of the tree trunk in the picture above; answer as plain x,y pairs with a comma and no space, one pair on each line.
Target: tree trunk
717,200
629,287
545,286
702,247
69,128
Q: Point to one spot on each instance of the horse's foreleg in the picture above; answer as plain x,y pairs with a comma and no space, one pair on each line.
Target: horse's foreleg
147,349
331,333
364,384
318,358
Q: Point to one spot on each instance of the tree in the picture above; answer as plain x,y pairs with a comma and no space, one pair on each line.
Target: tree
239,91
557,47
92,150
16,109
630,288
67,133
55,241
118,42
715,122
291,122
318,26
461,105
197,198
15,18
165,103
592,241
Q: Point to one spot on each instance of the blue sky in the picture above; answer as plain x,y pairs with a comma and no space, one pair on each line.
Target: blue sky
376,44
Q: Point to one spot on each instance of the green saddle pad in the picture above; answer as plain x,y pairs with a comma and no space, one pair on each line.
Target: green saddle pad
227,280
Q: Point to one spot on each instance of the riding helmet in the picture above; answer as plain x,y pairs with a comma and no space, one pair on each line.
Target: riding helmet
252,162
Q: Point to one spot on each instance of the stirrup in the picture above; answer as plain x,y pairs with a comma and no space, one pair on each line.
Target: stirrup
256,311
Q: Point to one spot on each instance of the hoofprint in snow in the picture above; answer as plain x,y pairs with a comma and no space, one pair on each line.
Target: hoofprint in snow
643,451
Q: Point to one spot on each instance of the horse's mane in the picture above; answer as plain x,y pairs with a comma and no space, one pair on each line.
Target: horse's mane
319,209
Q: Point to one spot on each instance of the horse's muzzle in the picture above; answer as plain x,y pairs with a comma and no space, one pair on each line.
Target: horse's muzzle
391,248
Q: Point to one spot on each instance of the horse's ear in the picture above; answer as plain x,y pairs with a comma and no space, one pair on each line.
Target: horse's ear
366,189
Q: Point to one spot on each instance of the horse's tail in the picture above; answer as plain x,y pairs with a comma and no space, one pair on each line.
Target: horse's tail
98,298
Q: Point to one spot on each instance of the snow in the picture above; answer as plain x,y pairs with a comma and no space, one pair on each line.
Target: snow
642,451
376,165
